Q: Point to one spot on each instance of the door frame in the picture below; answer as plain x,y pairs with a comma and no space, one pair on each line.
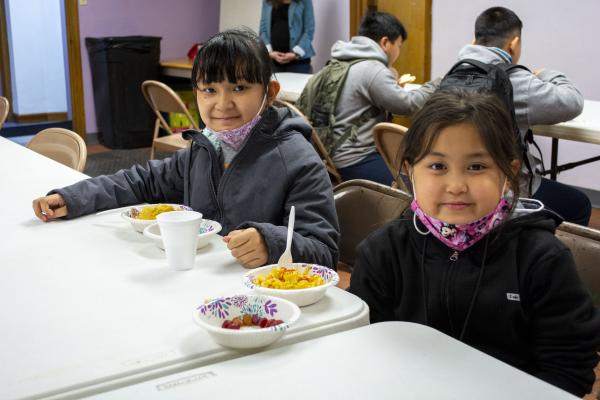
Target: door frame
71,8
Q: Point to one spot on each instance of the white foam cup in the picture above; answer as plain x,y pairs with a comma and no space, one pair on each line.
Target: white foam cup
179,230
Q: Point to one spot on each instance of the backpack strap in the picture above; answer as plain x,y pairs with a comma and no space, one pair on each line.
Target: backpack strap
474,63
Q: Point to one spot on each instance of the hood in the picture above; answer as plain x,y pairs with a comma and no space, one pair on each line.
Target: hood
488,55
358,47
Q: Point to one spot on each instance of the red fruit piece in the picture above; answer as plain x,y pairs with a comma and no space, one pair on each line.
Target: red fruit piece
226,324
263,322
255,319
235,325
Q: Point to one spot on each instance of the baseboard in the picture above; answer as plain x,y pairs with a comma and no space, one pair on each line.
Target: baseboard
42,117
92,138
12,129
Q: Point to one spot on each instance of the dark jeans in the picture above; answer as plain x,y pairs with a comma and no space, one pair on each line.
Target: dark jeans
570,203
372,168
302,67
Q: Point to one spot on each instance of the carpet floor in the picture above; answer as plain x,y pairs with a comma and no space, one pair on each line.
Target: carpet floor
109,162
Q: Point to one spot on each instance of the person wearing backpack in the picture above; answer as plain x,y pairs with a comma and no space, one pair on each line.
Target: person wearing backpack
540,97
357,90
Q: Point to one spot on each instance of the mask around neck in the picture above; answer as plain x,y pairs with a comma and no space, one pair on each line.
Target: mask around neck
237,136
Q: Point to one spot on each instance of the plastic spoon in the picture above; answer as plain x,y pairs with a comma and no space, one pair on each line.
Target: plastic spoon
286,257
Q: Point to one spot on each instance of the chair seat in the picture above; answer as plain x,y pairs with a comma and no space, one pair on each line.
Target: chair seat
171,143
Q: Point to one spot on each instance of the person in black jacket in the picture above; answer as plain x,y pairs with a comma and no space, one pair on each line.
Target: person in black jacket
471,259
246,169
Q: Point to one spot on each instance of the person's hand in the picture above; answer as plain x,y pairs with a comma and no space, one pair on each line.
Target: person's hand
406,78
538,71
49,207
287,57
276,55
248,246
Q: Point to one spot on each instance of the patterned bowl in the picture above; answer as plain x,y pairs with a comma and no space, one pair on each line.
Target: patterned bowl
207,230
140,224
211,316
301,297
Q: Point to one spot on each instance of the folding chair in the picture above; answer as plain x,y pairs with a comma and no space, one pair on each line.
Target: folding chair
162,98
584,243
61,145
388,138
363,206
4,107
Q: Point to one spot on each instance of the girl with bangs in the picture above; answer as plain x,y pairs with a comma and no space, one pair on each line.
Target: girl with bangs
471,259
246,169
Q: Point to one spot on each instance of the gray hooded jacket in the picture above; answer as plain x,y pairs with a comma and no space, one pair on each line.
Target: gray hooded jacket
369,84
547,98
275,169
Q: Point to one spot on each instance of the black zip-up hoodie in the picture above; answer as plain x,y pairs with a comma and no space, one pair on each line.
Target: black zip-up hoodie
514,295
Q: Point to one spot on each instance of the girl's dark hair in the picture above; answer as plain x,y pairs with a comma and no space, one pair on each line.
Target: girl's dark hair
233,55
484,111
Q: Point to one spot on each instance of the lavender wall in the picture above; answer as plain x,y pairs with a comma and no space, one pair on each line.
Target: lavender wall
179,22
557,35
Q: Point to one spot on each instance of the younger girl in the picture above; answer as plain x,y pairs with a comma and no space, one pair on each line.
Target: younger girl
246,169
471,261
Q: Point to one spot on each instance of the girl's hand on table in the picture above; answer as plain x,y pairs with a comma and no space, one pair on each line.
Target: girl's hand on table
248,246
49,207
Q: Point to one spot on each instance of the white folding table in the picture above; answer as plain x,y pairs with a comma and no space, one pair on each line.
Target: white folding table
390,360
90,305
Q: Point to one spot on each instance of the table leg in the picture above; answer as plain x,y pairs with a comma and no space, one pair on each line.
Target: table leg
554,159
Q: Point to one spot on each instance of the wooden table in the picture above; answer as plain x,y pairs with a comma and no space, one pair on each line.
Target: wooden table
89,304
390,360
585,128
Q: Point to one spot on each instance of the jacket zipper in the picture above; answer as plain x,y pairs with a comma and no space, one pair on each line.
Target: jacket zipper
453,258
212,183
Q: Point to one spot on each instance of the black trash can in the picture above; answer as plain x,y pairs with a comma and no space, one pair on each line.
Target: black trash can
119,65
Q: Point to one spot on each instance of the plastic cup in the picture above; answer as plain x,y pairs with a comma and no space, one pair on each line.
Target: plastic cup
179,230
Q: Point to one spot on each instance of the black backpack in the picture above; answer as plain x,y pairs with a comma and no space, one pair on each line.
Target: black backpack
492,78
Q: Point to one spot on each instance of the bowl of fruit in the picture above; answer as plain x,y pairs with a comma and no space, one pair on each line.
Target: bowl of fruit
246,321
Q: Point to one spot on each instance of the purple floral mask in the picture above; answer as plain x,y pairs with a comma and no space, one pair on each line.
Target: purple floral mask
460,237
237,136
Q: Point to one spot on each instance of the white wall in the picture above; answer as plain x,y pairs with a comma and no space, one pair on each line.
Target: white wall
37,56
332,22
557,35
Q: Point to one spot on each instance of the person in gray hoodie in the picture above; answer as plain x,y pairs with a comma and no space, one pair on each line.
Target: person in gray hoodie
249,166
543,96
371,87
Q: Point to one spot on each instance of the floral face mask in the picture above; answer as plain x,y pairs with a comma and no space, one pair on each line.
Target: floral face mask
460,237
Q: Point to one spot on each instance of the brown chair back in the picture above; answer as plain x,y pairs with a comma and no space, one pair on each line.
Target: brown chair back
363,206
388,138
161,98
4,107
316,141
61,145
584,243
